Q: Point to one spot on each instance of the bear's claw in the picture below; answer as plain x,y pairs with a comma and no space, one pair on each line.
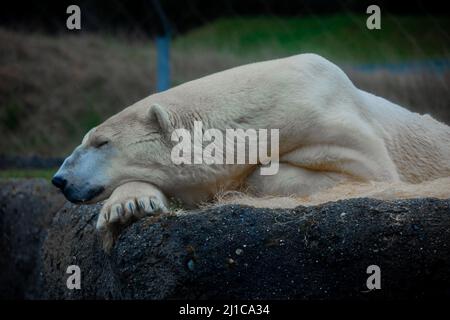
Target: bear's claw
121,206
122,212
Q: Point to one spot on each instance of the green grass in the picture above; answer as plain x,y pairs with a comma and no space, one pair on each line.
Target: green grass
27,173
10,115
342,37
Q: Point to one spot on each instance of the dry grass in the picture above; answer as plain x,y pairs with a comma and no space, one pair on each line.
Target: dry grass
53,89
379,190
422,92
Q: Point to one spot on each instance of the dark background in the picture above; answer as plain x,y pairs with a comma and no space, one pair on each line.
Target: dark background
141,16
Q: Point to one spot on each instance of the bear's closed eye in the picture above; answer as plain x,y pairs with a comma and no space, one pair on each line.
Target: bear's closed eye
100,144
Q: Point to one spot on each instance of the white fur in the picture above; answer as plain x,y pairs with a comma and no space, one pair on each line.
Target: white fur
330,132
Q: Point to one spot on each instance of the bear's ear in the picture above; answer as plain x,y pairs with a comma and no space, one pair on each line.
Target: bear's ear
161,115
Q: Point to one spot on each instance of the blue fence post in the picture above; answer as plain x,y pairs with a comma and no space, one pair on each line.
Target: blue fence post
163,63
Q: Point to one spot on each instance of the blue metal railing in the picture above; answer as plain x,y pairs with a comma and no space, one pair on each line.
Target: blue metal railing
163,63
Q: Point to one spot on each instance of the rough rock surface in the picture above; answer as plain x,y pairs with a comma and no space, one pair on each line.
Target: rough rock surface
27,208
241,252
245,253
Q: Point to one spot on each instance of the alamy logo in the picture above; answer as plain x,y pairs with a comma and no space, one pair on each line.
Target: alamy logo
374,20
73,22
248,146
74,280
374,280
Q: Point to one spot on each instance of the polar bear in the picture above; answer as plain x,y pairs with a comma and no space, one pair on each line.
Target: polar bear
330,132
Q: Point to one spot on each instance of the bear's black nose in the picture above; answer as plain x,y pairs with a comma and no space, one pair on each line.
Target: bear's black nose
59,182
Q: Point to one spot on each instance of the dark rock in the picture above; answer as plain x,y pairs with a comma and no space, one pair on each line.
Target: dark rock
27,208
305,253
238,252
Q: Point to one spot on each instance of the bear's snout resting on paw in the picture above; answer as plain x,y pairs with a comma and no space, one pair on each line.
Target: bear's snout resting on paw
330,132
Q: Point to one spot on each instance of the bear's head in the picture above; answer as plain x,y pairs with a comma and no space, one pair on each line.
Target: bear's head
133,145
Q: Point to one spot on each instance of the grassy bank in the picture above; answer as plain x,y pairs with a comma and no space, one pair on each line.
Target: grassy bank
342,37
28,173
53,89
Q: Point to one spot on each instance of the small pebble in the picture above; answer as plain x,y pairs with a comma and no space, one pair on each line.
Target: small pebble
191,265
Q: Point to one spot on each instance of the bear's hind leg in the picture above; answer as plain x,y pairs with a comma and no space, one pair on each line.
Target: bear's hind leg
293,181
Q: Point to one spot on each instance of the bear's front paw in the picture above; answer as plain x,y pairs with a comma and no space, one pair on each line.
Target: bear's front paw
121,212
134,199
